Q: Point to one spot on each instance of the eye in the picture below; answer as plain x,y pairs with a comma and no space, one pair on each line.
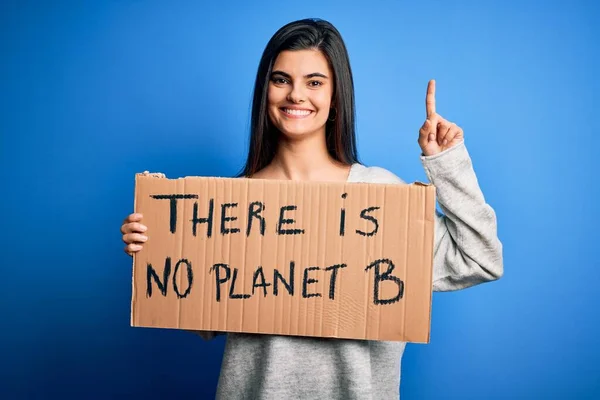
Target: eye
279,81
315,83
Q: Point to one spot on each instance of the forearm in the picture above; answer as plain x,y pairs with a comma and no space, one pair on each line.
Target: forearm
467,250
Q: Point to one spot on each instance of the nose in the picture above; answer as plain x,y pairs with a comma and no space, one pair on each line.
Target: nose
296,94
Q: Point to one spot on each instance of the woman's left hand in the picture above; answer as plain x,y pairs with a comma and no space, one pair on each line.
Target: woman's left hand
437,134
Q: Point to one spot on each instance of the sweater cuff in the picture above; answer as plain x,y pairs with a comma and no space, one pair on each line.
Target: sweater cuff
447,162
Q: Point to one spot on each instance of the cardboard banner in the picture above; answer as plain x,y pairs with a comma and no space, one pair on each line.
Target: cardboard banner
342,260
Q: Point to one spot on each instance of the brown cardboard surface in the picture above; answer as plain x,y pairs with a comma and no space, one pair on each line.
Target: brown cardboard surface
275,258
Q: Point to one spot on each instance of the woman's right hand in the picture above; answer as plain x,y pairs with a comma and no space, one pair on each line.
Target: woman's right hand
134,233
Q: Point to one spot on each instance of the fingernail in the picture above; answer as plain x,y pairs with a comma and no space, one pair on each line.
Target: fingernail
144,228
445,142
144,238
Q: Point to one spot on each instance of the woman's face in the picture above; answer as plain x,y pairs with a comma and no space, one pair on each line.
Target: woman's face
300,90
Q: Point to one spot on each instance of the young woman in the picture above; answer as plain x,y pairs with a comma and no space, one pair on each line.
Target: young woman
303,129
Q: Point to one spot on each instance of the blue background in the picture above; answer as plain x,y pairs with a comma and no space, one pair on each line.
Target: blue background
92,94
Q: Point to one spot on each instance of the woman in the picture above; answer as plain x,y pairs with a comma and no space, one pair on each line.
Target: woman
303,129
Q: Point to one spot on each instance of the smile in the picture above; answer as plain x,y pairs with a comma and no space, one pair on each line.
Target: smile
296,113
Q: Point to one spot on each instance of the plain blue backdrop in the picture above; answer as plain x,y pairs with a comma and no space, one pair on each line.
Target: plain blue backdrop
92,93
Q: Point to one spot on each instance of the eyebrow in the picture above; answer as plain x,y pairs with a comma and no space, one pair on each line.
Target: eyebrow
313,75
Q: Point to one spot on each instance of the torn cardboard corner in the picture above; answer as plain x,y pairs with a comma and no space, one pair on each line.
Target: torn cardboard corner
338,260
153,174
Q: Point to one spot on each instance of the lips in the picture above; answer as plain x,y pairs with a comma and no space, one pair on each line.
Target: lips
296,113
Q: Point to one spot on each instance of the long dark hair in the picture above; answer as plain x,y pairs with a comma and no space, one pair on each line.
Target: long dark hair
340,133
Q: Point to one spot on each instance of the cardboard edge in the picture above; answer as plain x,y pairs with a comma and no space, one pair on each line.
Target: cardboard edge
150,174
155,175
132,303
160,175
433,191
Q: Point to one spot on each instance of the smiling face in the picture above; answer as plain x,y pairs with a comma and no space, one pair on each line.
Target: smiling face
299,95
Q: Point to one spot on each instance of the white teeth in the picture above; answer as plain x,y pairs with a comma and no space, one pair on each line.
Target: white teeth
297,112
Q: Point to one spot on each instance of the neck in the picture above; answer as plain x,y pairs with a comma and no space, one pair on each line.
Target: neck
303,159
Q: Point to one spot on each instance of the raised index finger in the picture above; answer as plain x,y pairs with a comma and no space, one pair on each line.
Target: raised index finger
430,99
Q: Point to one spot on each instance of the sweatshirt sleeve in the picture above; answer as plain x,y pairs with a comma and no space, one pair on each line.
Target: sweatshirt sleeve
467,250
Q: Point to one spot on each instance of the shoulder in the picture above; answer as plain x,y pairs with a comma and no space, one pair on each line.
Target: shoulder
373,174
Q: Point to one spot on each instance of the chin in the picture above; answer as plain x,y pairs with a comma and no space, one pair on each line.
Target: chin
297,133
296,130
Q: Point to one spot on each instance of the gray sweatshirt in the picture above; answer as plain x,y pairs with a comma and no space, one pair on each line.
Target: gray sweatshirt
467,252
